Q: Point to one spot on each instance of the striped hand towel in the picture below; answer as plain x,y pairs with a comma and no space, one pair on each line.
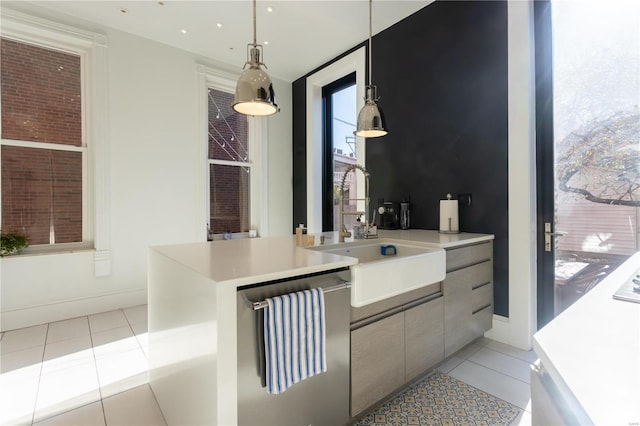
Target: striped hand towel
294,338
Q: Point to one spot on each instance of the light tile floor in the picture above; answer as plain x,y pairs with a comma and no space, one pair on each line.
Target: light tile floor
83,371
496,368
93,371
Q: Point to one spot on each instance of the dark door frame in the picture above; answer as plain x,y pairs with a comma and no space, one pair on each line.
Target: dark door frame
545,162
327,146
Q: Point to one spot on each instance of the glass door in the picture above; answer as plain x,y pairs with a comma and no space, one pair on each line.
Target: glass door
340,115
588,145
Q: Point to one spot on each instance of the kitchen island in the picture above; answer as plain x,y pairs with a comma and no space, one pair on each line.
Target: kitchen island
193,342
589,367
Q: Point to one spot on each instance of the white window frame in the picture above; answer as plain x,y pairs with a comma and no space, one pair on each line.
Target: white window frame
92,50
256,135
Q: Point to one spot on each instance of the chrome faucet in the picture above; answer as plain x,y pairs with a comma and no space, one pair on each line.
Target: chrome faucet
343,232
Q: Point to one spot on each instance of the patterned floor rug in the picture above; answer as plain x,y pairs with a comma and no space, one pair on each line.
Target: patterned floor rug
442,400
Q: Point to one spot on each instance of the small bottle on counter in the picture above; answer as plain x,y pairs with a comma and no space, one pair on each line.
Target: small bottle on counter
301,232
358,229
405,215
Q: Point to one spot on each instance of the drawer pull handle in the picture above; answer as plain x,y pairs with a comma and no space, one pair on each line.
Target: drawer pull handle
480,285
481,309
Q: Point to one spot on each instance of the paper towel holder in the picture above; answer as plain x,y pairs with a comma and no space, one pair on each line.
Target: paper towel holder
464,199
444,229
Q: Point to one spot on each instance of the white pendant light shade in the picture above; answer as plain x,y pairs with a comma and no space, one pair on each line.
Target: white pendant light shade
254,90
369,118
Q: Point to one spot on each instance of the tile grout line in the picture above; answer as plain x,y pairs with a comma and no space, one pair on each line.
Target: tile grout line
157,403
497,371
503,374
135,336
95,364
35,403
146,356
512,356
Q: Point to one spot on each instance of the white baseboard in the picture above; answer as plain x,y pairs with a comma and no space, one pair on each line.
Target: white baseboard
61,310
503,331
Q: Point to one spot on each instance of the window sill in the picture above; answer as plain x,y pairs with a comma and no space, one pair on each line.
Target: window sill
57,249
234,236
101,259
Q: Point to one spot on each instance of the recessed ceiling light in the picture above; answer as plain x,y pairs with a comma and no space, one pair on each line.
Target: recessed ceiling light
183,31
269,9
219,25
266,42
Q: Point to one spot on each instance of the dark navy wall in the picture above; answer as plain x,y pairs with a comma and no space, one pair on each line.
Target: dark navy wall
442,78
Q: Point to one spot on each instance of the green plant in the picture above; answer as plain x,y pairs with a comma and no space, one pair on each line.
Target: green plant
12,242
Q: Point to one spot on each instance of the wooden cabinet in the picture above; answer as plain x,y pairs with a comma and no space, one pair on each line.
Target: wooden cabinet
377,361
468,295
424,337
396,340
393,347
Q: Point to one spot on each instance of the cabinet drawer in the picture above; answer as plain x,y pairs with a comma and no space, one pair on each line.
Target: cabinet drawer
468,278
459,328
384,305
482,296
464,256
482,321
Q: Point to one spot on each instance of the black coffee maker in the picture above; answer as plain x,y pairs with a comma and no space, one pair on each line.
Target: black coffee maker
389,212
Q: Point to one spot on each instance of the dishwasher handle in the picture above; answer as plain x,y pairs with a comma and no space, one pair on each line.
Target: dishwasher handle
256,306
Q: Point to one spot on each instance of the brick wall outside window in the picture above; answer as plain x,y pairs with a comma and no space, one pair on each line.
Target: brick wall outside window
41,102
40,94
228,184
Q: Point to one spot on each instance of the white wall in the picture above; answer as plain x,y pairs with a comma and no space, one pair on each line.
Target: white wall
153,181
521,324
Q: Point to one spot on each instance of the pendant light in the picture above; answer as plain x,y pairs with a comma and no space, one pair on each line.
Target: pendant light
254,91
369,119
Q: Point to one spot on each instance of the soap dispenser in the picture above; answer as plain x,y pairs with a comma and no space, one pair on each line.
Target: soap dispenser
300,235
358,229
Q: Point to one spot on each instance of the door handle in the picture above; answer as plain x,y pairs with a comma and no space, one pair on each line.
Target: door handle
557,233
548,234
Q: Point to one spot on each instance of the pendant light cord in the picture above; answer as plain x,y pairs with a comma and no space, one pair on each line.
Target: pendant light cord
370,45
254,24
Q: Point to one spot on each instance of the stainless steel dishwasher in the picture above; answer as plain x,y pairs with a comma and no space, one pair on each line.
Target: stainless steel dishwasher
319,400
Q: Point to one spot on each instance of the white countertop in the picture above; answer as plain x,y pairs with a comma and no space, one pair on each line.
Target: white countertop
435,238
422,236
253,260
593,349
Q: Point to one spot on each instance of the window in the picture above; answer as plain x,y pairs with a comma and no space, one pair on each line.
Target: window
229,165
314,191
340,117
235,192
596,129
54,161
43,153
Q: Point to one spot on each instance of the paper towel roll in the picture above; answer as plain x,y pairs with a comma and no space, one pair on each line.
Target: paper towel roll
449,216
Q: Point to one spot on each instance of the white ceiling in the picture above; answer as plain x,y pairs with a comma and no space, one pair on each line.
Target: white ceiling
301,34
